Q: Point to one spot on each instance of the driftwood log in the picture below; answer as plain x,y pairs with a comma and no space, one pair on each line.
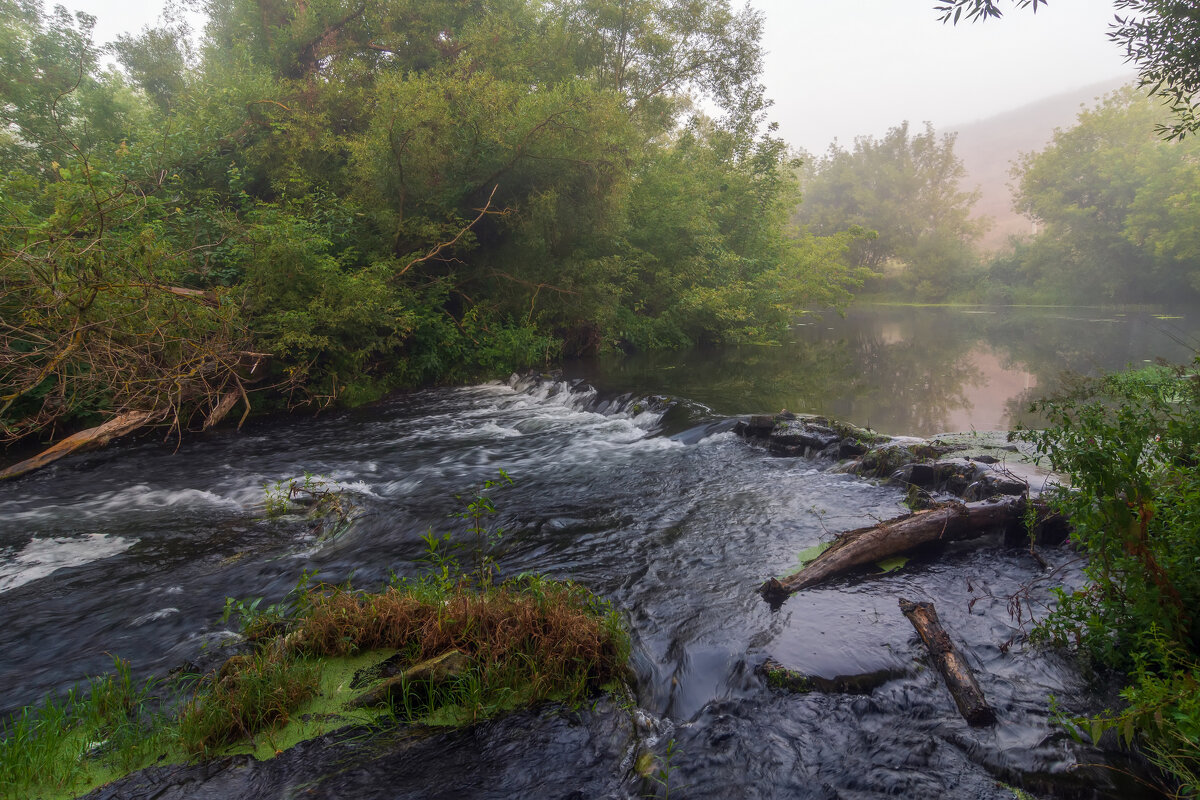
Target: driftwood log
950,521
84,440
780,677
954,668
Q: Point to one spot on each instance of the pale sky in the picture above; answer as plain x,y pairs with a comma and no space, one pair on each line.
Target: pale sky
843,68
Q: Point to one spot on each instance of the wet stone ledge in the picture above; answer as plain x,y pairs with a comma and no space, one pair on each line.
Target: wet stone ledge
968,466
780,677
788,434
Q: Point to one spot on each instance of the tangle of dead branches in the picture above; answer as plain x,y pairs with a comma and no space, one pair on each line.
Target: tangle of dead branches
93,327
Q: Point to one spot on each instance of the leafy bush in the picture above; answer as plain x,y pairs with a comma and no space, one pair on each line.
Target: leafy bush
1130,444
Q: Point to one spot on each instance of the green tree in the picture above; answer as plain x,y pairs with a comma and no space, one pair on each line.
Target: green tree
335,198
1116,207
906,188
713,259
98,316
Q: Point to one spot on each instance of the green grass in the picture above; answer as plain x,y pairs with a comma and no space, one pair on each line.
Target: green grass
324,711
251,693
66,745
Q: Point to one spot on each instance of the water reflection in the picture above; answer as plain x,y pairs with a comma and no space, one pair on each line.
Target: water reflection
910,370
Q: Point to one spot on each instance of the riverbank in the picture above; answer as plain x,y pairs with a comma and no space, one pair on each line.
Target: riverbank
898,369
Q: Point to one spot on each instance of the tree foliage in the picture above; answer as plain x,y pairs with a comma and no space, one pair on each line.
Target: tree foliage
906,187
1162,38
327,200
1130,445
976,10
1117,209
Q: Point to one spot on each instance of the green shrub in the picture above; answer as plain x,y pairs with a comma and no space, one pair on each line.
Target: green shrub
1130,446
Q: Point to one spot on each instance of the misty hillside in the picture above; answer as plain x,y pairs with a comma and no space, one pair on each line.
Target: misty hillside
988,147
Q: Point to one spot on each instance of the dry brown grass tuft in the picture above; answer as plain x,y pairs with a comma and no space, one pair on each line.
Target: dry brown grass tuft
528,641
555,629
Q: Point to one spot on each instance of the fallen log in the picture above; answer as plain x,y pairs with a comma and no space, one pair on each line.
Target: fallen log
780,677
950,521
957,674
436,671
84,440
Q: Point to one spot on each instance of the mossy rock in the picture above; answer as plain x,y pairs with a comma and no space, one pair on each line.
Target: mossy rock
780,677
848,431
883,461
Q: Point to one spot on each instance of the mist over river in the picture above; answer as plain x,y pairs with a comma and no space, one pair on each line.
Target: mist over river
629,480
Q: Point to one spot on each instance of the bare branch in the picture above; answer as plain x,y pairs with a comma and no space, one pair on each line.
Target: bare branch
436,251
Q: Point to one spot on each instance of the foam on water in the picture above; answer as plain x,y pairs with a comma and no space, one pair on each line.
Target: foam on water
42,557
129,500
153,616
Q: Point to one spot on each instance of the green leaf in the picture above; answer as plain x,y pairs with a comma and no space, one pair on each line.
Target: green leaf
809,555
892,564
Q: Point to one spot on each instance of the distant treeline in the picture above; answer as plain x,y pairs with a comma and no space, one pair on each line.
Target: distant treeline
324,201
1117,210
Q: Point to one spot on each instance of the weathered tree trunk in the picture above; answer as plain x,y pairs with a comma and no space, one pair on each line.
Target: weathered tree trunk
948,522
84,440
780,677
955,671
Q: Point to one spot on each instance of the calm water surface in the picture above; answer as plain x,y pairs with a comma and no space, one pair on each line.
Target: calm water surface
909,370
658,507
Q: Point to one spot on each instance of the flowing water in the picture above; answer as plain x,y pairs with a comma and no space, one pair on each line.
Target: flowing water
652,503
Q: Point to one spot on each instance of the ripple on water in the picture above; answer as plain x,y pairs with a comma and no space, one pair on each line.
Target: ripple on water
130,500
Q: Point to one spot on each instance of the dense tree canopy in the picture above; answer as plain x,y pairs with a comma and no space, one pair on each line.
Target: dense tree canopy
1118,210
329,199
906,188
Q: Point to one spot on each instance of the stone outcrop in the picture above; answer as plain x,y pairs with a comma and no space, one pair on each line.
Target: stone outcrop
788,434
780,677
969,467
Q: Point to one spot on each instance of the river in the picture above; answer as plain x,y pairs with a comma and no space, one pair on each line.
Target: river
653,504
